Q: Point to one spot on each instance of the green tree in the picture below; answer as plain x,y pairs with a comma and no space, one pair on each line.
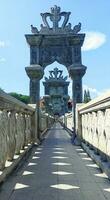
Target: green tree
24,98
87,96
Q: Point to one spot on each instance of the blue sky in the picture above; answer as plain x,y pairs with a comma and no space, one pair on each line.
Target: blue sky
15,19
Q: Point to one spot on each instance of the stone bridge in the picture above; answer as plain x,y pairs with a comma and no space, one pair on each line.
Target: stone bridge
42,157
46,164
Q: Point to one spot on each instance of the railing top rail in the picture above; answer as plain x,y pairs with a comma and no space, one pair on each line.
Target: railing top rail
11,103
98,103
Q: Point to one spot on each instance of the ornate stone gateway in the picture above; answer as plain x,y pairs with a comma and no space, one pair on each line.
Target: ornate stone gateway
55,43
56,91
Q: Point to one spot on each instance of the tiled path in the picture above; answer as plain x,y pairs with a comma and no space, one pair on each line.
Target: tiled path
56,170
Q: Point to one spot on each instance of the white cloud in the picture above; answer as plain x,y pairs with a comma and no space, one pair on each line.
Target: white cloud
93,91
2,60
93,40
4,43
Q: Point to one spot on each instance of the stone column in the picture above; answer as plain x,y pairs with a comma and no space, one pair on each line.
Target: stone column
76,72
35,73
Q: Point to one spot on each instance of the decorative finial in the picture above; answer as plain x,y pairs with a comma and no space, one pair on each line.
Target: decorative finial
56,74
55,17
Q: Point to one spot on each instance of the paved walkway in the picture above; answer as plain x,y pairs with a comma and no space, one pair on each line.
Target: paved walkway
57,171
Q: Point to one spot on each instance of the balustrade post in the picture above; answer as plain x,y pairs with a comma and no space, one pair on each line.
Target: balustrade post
3,138
11,136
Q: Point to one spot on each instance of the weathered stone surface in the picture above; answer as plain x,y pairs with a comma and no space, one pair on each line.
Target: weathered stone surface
11,136
95,121
18,134
12,127
3,138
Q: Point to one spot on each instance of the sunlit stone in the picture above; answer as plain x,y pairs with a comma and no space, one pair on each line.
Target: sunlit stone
59,157
102,175
92,165
61,163
59,152
64,186
37,152
79,150
62,173
20,186
21,151
83,154
107,189
31,164
86,159
58,148
35,157
1,172
39,148
16,156
27,173
8,163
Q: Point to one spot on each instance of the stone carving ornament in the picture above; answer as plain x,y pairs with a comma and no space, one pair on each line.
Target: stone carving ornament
55,16
3,138
18,133
83,125
28,129
107,131
107,122
100,122
23,126
90,136
94,127
11,136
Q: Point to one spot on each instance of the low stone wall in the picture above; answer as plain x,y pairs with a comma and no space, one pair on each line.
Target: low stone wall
15,127
18,131
93,125
69,121
46,121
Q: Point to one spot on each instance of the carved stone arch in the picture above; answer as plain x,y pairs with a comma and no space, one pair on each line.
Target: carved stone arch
57,43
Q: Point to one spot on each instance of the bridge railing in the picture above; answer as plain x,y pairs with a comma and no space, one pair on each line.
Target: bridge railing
93,125
18,127
15,127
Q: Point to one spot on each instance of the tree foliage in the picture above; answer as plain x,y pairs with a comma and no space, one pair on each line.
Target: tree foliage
87,96
24,98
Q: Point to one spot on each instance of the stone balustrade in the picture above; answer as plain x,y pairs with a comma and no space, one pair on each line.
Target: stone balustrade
69,121
93,125
15,127
18,128
46,121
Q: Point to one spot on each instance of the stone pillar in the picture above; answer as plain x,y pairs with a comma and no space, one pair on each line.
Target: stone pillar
76,72
35,73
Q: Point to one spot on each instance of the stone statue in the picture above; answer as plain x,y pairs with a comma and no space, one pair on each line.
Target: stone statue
77,28
34,29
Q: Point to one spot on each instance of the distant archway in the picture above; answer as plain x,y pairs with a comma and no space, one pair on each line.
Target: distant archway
46,73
